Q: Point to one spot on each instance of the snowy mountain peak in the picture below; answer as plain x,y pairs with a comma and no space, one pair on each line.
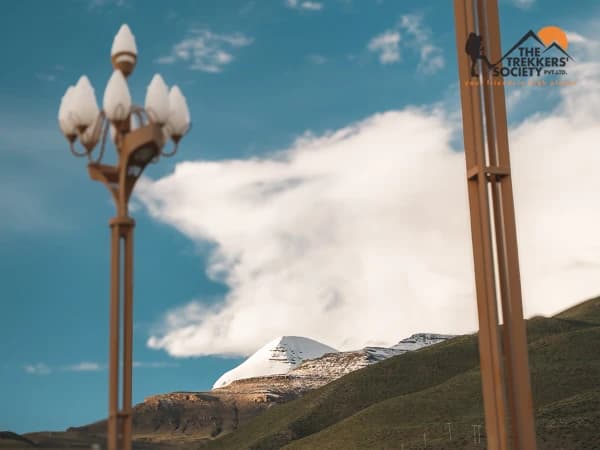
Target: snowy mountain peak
420,340
278,356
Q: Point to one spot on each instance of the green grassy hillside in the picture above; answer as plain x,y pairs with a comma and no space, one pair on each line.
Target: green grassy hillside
585,312
409,400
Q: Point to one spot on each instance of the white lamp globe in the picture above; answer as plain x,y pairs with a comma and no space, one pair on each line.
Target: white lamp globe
117,100
124,41
83,104
65,116
157,100
179,114
124,51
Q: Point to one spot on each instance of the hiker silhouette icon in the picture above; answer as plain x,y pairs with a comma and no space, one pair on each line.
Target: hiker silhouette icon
474,48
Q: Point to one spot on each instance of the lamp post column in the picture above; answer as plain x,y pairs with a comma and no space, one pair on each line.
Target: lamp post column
128,335
120,420
113,375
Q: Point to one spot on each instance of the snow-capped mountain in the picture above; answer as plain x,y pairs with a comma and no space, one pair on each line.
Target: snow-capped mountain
420,340
335,365
307,364
277,357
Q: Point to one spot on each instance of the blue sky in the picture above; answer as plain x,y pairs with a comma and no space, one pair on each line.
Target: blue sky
272,71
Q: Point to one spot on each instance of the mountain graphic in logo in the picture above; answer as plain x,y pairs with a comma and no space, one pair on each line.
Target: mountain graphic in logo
550,37
554,45
533,55
529,35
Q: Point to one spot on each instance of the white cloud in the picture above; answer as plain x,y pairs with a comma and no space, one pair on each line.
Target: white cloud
332,239
409,33
304,5
362,234
524,4
51,74
431,58
515,97
248,7
45,76
573,36
580,45
85,367
316,59
89,366
37,369
93,4
205,50
387,45
154,365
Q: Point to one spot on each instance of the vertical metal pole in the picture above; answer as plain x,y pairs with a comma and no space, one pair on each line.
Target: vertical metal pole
515,338
494,172
489,340
113,376
128,336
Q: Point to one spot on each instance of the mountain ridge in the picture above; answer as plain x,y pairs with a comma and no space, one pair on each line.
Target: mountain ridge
204,415
326,366
401,399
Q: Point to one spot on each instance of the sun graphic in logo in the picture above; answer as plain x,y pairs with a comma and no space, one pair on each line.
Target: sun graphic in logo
551,34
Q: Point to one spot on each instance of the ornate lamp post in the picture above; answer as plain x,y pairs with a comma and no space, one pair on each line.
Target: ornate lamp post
139,135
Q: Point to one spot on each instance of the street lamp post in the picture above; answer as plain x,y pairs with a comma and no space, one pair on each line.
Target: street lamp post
139,135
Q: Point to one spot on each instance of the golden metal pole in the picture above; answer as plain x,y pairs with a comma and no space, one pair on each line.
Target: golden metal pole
113,376
128,336
120,421
488,174
489,339
515,339
120,434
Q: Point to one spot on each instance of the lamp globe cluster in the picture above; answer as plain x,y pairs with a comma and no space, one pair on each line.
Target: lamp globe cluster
80,117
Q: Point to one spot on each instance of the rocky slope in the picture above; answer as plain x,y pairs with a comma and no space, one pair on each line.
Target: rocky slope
320,371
